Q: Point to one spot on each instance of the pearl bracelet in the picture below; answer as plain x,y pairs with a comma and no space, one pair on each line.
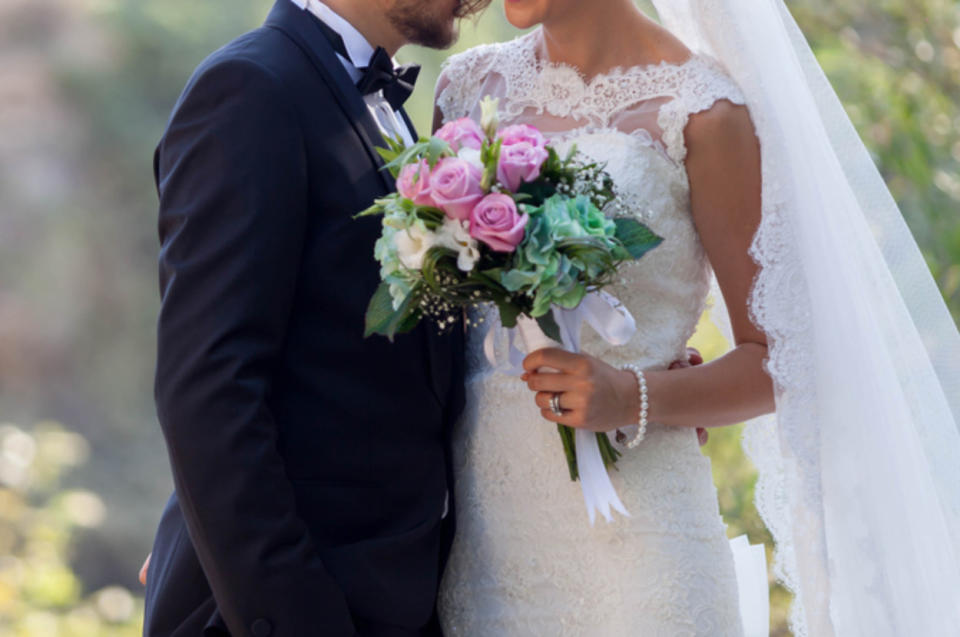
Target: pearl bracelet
634,442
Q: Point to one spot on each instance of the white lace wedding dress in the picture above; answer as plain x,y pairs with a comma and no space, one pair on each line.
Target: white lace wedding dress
526,560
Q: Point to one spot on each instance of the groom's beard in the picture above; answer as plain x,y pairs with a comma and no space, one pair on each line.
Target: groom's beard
425,23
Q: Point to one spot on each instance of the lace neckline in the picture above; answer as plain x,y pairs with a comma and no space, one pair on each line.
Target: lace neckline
658,96
566,72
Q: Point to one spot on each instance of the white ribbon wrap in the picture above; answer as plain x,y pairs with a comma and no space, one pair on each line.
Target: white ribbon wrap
614,324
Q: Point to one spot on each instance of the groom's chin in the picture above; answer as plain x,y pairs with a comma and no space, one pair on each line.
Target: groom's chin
440,35
428,24
436,38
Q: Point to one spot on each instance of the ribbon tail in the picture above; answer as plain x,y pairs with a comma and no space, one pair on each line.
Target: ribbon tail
598,492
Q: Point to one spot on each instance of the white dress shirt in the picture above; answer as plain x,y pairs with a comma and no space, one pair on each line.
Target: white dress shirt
391,123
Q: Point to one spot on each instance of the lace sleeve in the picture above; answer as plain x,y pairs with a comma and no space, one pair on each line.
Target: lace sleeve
460,82
703,85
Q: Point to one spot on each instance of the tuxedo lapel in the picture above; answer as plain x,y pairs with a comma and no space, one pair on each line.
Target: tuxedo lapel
301,26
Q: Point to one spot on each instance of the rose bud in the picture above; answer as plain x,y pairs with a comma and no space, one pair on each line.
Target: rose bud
413,183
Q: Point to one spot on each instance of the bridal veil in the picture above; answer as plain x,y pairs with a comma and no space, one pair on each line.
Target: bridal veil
860,468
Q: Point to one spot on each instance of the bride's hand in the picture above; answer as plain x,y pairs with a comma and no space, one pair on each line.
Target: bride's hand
593,394
591,390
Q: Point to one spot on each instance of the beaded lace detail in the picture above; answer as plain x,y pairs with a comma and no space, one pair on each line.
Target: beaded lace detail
526,561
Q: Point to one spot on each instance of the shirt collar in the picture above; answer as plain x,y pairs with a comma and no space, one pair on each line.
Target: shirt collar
359,50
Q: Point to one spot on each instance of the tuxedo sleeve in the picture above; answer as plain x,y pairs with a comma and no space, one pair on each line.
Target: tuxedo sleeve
231,175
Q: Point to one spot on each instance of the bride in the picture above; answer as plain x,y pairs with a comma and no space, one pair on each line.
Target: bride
722,135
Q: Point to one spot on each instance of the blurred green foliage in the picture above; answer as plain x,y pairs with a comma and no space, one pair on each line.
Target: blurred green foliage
40,595
85,254
896,67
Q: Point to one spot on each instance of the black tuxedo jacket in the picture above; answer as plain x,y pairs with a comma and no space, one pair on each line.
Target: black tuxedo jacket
310,464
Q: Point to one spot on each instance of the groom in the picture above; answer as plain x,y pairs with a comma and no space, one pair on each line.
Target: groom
311,466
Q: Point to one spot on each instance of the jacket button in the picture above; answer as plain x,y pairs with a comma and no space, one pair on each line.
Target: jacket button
261,628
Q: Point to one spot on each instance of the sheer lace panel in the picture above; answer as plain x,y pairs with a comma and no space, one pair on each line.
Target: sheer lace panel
651,103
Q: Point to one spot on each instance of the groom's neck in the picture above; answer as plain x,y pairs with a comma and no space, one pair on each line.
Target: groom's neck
371,21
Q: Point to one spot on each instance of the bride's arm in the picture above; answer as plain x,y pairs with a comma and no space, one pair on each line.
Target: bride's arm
723,165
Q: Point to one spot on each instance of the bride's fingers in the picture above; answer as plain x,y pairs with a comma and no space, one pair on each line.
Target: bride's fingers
556,358
568,400
542,399
570,418
551,382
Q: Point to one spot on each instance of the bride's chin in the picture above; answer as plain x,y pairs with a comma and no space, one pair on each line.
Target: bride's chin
523,14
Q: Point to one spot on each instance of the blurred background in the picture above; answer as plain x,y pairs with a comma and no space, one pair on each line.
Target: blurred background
85,89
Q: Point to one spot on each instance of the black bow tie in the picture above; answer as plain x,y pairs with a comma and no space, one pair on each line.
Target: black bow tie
396,84
379,74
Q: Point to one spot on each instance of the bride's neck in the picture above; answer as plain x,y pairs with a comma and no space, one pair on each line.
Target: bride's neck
595,38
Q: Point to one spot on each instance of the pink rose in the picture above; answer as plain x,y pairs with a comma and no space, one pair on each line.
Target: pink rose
522,154
461,133
521,133
455,186
413,183
496,222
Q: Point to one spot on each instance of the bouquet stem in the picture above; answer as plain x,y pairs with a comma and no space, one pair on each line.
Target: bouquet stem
533,339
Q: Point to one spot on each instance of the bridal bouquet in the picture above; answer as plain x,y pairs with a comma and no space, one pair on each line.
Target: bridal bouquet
484,214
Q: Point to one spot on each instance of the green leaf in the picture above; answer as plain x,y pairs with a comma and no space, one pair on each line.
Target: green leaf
405,321
381,318
437,148
432,217
636,237
549,326
379,311
401,158
508,313
395,143
376,209
535,193
387,154
390,156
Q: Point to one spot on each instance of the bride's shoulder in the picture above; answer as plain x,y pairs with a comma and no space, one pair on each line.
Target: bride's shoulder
704,82
716,116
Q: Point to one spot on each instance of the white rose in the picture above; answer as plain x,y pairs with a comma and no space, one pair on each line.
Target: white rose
413,244
455,234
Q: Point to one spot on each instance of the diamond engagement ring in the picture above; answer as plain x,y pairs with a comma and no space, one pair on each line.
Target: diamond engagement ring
555,404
